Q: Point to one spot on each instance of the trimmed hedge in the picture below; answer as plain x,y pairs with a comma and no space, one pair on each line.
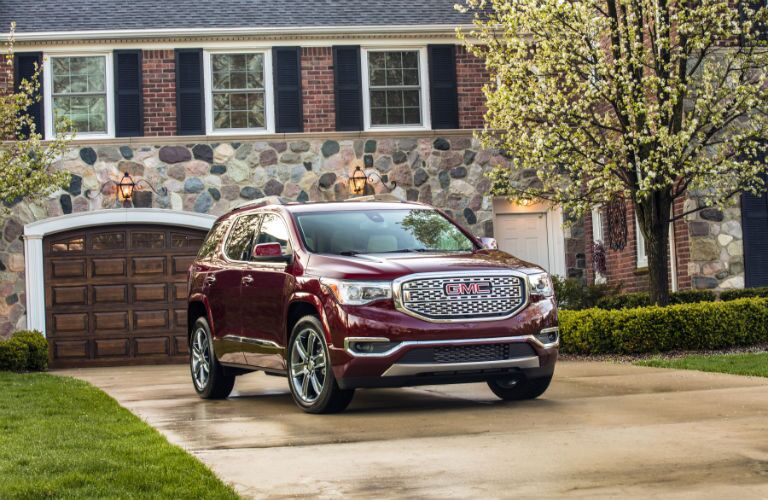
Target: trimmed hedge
643,299
24,351
742,293
705,325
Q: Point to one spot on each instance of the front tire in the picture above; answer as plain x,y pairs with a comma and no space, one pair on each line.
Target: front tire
519,389
310,376
208,376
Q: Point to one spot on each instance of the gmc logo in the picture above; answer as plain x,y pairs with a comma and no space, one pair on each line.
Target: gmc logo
476,288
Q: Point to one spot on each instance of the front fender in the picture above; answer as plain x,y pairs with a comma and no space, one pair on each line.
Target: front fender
317,304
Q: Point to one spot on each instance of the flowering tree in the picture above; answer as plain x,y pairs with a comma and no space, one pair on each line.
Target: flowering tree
25,162
643,100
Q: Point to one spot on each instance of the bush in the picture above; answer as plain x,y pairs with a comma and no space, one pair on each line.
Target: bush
38,349
742,293
573,294
14,355
643,299
704,325
24,351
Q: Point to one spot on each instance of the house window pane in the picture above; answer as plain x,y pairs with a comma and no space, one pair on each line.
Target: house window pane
80,91
395,88
238,91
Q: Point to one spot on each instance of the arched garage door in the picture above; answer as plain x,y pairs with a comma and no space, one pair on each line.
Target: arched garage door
116,295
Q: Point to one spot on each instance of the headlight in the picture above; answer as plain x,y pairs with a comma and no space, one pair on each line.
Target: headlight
541,284
357,293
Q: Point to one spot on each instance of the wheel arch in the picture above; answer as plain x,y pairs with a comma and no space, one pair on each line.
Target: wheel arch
197,307
304,304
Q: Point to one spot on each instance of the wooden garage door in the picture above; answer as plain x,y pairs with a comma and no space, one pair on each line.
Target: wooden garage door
116,295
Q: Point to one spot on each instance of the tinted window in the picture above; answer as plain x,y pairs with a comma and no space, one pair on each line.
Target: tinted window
215,235
381,231
273,230
241,237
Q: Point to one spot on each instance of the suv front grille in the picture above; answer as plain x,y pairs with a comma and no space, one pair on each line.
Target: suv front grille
471,353
457,298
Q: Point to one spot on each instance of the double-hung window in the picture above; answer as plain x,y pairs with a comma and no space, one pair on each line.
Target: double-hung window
78,88
395,88
239,93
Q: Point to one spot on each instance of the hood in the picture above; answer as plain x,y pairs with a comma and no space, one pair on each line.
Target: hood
392,266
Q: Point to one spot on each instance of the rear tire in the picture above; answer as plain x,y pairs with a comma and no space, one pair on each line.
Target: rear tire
522,389
208,376
310,375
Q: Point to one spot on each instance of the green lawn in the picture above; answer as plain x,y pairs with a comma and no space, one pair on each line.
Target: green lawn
61,437
737,364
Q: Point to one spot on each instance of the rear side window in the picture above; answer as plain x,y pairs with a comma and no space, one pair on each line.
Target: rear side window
240,238
215,235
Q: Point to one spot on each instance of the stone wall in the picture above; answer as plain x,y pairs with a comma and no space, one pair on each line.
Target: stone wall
214,177
717,248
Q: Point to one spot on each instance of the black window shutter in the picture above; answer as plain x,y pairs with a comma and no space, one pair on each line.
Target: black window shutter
190,115
754,222
286,64
749,8
24,69
444,97
348,88
129,101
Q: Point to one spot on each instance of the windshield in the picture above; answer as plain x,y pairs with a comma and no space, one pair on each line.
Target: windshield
381,231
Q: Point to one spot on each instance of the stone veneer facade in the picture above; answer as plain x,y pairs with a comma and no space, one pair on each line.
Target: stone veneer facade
446,171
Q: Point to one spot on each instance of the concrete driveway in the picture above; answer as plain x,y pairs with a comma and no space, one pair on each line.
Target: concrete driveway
602,431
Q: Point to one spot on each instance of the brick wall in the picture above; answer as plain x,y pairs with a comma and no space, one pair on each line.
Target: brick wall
6,75
317,89
159,82
471,75
621,266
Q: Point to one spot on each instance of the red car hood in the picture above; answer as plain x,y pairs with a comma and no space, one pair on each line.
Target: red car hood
392,266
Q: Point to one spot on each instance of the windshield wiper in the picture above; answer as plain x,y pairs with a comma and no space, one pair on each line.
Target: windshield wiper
408,250
349,253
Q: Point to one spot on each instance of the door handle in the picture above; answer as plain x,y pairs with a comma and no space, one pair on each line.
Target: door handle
209,280
246,280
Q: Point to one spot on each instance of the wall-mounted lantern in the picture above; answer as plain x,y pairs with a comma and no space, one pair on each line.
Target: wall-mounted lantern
126,188
359,181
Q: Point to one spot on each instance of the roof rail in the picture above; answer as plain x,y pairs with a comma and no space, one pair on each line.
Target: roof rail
386,197
263,202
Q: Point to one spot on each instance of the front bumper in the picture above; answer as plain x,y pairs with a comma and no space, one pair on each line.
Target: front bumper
419,352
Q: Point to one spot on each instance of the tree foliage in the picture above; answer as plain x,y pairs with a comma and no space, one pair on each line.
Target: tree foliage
645,100
25,158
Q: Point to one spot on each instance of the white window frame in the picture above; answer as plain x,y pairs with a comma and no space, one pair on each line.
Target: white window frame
269,104
48,93
598,236
426,119
642,256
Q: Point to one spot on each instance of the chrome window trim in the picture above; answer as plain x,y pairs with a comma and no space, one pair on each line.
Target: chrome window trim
429,343
398,283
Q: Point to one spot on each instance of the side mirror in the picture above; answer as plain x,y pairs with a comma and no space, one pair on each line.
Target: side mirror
270,252
489,243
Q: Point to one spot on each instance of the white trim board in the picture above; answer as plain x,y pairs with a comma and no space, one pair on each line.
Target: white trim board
36,231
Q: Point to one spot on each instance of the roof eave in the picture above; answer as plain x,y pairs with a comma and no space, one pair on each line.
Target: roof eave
330,31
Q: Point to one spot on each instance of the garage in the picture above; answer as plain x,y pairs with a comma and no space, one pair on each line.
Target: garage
116,295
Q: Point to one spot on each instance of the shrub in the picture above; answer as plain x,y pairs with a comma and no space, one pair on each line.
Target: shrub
643,299
573,294
743,293
14,355
703,325
38,349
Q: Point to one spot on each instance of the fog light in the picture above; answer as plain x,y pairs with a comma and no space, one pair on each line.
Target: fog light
369,346
548,336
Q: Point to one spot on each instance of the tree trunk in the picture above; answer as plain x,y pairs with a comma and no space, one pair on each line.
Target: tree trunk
653,217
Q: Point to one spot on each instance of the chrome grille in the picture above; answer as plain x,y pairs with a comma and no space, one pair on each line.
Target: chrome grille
499,296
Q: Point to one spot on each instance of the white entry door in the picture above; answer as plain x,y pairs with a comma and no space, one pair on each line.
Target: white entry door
525,236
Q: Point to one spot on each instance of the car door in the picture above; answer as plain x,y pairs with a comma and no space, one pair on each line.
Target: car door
224,290
266,286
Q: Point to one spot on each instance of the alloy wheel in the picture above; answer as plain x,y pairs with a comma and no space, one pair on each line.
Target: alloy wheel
308,366
201,358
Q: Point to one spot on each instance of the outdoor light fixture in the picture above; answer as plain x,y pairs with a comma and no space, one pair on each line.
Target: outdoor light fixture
359,181
126,187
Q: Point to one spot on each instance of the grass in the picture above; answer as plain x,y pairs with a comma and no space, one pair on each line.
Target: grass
61,437
754,364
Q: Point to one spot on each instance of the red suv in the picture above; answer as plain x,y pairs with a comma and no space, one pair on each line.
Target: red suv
339,296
